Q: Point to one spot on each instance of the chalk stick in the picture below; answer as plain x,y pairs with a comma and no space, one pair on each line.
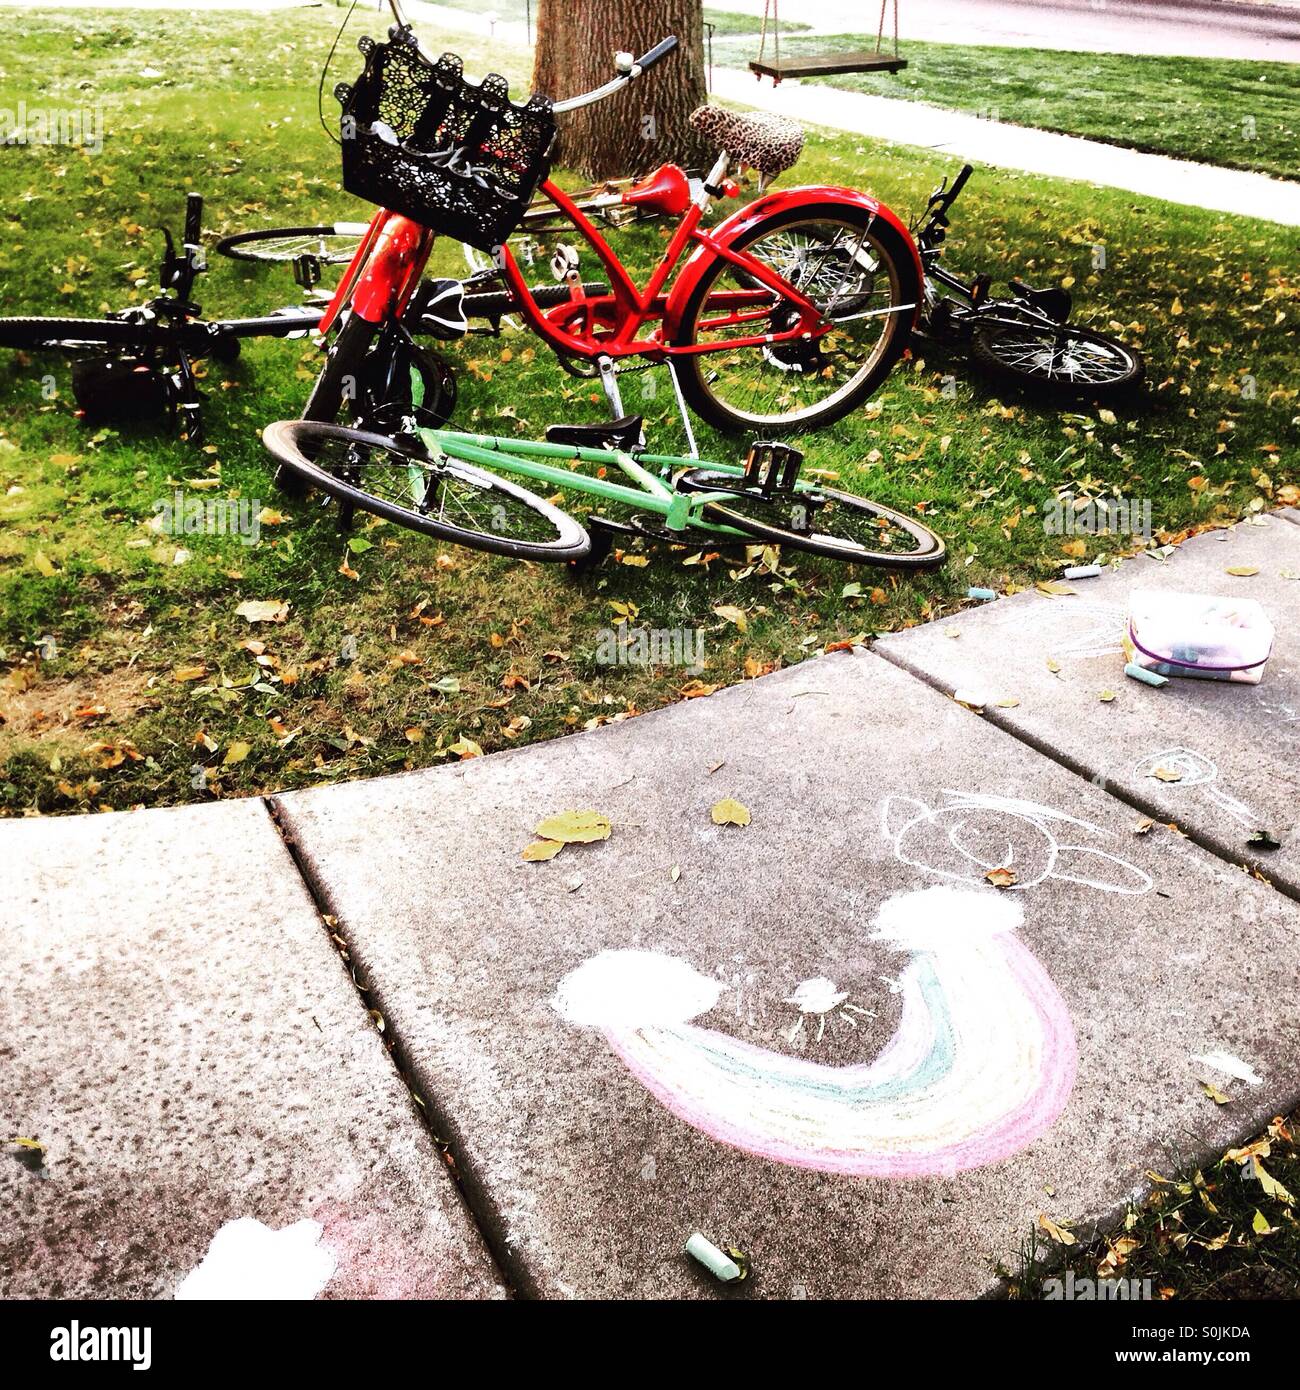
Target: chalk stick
1082,572
1140,673
716,1261
984,594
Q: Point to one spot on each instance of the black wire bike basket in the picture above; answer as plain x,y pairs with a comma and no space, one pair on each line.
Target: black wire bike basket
459,158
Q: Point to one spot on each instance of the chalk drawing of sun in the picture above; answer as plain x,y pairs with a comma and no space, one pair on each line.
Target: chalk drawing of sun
982,1061
820,999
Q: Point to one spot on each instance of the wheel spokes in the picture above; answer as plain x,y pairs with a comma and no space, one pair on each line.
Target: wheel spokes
435,489
840,270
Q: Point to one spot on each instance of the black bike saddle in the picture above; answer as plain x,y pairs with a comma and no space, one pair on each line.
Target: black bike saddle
1054,303
604,434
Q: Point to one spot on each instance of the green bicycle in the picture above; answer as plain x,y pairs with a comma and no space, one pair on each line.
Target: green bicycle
447,484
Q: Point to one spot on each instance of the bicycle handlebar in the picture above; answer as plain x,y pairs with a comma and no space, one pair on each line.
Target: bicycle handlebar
960,181
193,218
661,50
628,68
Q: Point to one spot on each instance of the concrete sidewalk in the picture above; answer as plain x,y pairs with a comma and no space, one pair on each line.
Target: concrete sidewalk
824,1037
182,1038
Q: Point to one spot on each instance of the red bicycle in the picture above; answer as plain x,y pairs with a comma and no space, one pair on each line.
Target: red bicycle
784,317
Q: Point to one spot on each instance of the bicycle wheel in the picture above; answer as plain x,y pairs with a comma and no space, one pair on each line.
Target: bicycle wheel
437,496
334,244
860,273
69,335
821,521
1065,360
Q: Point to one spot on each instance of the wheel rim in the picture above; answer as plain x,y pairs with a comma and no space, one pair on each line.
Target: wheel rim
831,523
329,248
846,272
1068,357
438,492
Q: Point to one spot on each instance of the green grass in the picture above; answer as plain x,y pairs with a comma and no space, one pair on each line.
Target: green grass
730,22
1228,1230
432,650
1220,111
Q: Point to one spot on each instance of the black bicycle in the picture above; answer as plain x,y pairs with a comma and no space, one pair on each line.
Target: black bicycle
138,363
1026,338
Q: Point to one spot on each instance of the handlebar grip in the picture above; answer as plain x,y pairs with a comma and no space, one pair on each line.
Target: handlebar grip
960,181
661,50
193,218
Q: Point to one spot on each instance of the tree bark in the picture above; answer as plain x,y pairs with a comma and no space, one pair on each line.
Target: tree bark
633,131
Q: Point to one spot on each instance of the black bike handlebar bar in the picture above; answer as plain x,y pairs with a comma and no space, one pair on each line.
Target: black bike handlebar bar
960,181
661,50
193,218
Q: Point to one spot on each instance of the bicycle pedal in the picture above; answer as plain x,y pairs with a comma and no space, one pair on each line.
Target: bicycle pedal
306,270
771,467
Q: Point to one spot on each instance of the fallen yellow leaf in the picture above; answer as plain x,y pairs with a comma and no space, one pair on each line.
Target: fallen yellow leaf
542,849
728,811
273,610
574,827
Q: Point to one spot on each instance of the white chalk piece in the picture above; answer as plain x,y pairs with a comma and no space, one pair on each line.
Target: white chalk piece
716,1261
1146,677
1082,572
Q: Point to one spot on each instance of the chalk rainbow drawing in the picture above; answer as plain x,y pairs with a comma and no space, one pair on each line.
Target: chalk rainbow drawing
982,1061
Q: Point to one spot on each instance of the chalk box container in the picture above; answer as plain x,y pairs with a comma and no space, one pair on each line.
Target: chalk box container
1202,636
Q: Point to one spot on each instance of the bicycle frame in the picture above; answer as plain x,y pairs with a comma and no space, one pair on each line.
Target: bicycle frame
648,491
390,259
965,301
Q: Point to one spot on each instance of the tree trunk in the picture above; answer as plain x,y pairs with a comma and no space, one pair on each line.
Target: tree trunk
633,131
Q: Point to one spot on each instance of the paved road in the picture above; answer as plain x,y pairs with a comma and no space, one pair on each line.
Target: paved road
1193,30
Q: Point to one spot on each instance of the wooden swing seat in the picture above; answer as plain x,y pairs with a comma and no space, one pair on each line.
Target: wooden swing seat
824,64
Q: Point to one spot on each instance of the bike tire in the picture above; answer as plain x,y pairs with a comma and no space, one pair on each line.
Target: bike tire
279,245
343,361
1000,352
69,335
900,267
758,517
298,444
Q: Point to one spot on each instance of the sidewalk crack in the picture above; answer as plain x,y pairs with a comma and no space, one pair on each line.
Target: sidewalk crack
1080,769
506,1267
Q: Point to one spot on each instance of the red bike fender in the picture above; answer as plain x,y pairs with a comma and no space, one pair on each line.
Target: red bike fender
743,220
388,269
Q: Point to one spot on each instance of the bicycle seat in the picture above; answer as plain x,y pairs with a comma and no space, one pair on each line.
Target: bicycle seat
763,140
625,434
1055,303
